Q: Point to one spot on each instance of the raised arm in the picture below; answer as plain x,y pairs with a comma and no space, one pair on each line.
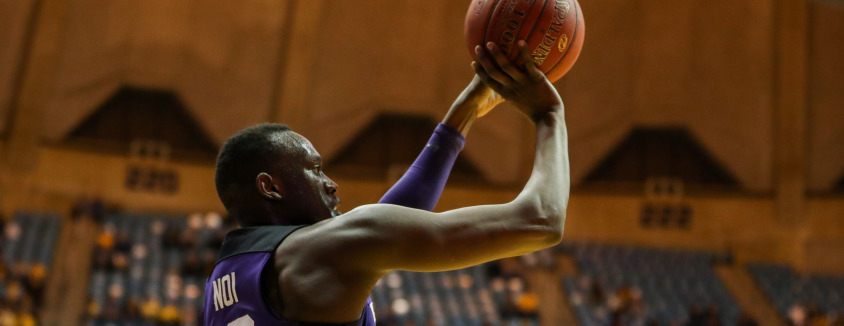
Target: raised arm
421,186
378,238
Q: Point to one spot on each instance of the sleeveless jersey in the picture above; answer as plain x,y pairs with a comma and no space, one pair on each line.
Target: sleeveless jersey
233,295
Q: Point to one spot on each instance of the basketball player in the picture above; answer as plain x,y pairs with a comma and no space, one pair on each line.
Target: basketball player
298,261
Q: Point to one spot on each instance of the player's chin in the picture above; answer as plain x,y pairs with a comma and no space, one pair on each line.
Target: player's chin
335,212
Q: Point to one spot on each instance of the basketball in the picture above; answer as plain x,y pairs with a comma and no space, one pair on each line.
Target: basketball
553,29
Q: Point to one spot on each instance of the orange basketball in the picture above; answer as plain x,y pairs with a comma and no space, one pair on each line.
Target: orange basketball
553,29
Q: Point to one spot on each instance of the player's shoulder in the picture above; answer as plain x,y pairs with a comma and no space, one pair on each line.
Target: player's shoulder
337,233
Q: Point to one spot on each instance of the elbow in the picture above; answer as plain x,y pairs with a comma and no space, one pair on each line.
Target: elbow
546,218
555,227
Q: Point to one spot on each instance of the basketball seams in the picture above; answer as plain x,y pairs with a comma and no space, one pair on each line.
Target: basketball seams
497,12
489,22
573,35
538,18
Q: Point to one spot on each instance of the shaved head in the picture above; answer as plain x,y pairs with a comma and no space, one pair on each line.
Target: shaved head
269,175
243,156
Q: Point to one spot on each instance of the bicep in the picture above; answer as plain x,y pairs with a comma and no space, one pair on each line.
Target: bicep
387,237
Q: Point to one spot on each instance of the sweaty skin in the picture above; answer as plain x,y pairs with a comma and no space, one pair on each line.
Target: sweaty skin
324,272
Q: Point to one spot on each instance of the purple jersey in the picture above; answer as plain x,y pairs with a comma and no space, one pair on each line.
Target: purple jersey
233,294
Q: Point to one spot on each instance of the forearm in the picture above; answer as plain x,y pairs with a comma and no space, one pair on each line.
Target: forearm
549,185
462,114
421,186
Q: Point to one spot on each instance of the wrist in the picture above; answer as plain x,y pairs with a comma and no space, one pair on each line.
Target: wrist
550,116
460,119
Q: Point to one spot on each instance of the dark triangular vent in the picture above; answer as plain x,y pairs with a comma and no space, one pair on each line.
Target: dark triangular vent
392,141
133,114
660,152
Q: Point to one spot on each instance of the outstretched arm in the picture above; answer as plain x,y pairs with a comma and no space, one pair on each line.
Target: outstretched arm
378,238
346,255
421,186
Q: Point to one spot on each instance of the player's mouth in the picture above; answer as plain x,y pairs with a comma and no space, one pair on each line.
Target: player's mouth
336,204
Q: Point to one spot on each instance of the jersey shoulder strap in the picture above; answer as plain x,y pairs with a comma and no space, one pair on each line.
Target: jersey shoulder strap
254,239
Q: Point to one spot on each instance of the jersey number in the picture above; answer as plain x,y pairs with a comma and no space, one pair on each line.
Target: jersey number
242,321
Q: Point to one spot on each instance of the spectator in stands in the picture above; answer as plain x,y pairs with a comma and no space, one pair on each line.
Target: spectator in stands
797,315
626,306
123,243
7,316
35,284
26,313
78,210
192,265
150,309
189,315
97,209
106,239
493,270
188,239
528,304
111,310
12,231
169,315
102,259
597,295
132,309
119,261
171,237
85,207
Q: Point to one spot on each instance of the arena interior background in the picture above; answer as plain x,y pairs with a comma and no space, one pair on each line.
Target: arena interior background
756,85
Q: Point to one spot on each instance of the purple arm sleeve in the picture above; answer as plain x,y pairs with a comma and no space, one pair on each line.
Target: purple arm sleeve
421,186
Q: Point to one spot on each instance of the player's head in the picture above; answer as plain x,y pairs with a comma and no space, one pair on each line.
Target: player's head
268,174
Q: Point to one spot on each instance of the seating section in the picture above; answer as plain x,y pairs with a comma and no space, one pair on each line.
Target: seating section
799,296
31,239
28,243
465,297
152,269
637,285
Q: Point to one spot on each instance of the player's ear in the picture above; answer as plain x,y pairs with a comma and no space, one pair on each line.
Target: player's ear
268,187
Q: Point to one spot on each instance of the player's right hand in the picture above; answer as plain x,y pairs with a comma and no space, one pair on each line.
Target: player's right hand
523,84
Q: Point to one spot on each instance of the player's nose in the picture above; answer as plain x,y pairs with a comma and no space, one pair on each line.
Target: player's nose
330,186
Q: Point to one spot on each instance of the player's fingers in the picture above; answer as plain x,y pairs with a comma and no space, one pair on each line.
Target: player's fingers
530,66
491,67
486,79
506,65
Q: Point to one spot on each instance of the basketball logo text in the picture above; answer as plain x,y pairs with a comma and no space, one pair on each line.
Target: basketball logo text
225,293
555,31
514,24
564,43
